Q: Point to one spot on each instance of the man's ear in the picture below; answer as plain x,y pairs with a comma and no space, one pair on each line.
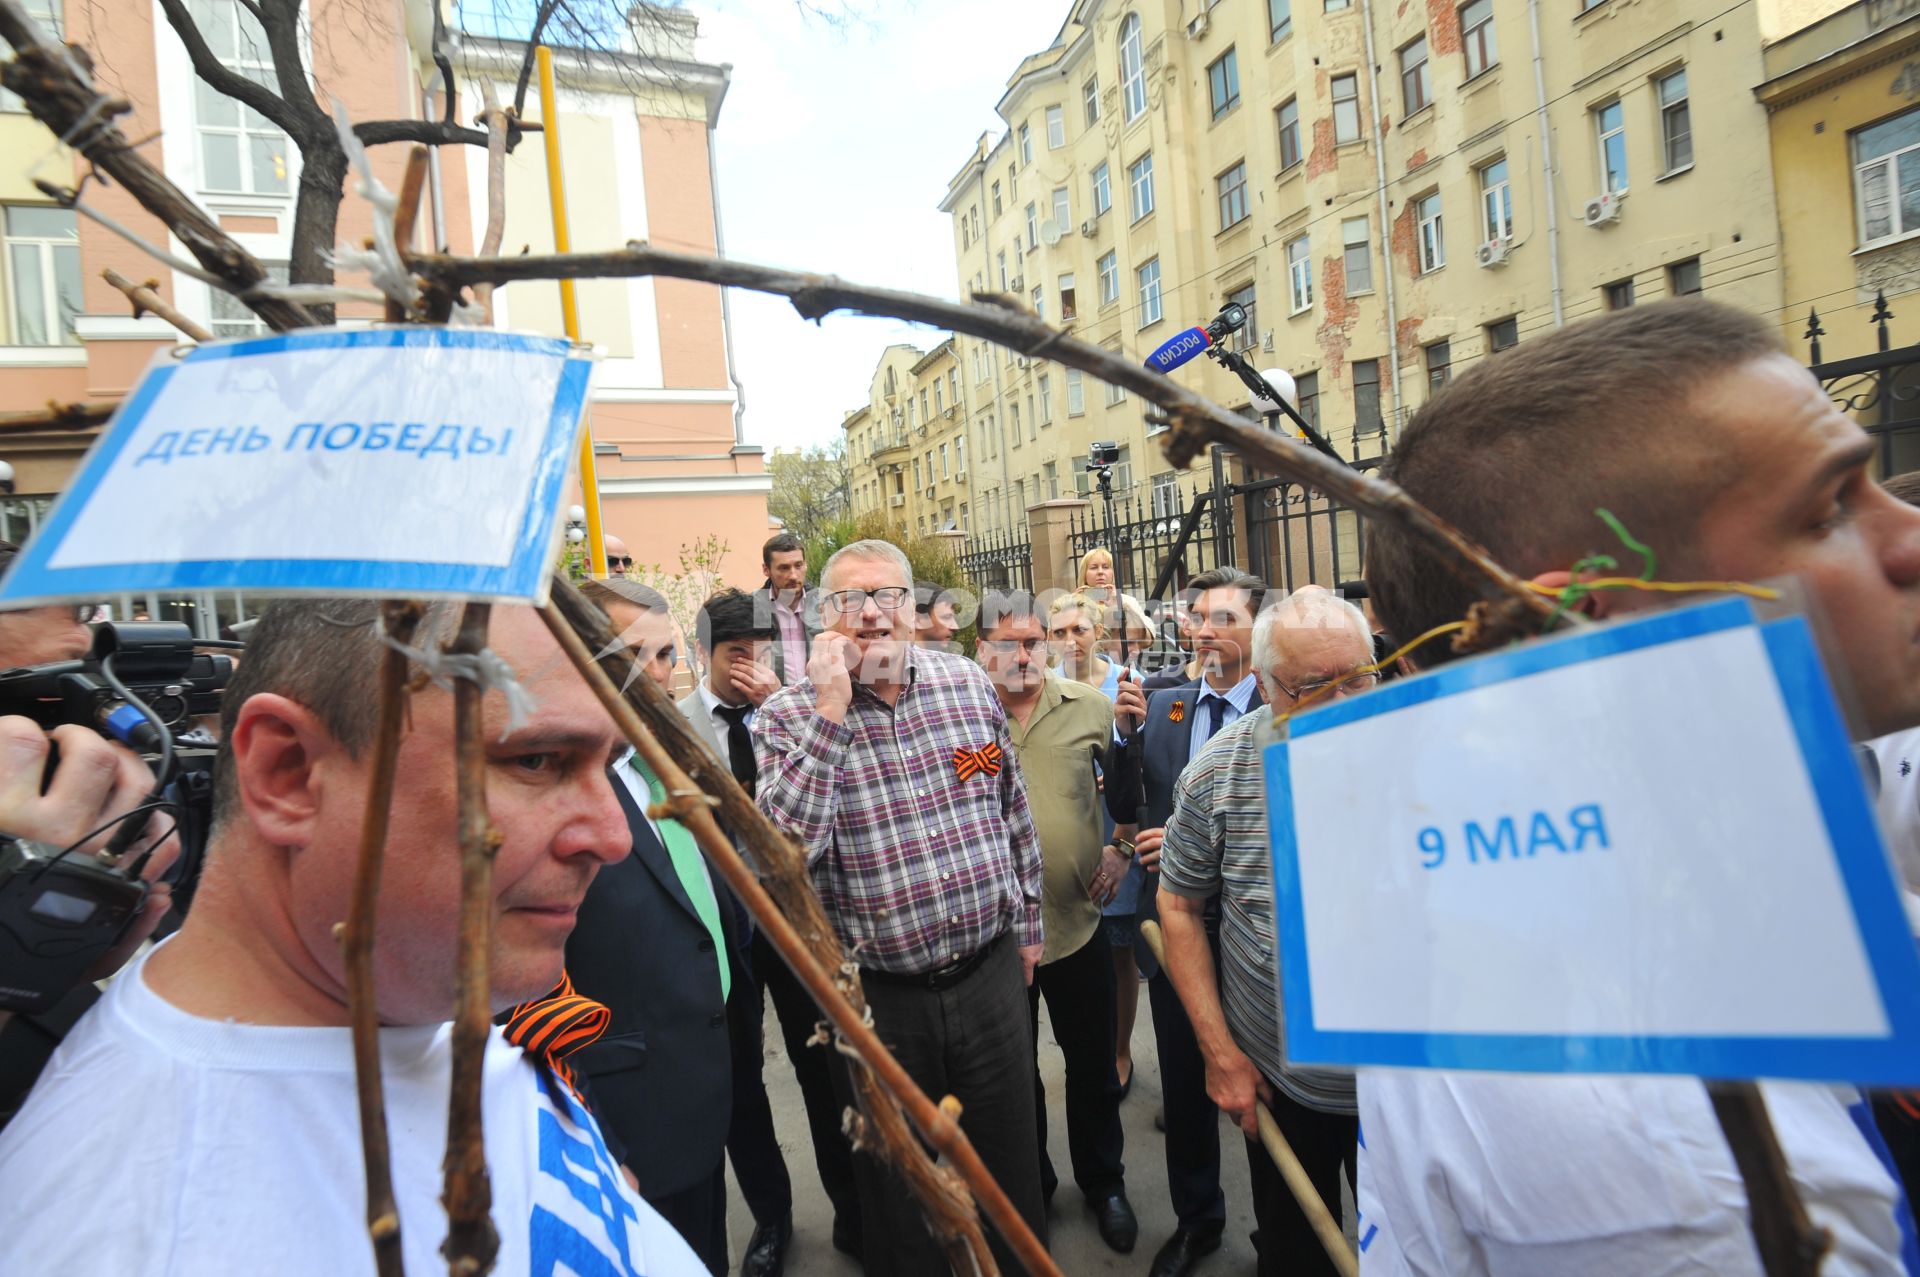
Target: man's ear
1596,605
277,746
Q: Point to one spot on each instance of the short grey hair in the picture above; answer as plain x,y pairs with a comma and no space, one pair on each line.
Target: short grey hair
871,551
1309,608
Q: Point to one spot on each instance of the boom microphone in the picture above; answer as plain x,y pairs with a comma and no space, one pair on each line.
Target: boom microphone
1178,349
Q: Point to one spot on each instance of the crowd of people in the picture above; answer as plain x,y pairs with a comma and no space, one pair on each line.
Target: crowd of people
996,798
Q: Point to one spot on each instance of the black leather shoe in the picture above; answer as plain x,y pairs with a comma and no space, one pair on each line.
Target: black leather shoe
1118,1228
767,1249
1183,1250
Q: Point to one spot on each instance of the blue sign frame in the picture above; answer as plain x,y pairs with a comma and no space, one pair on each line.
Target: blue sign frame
523,576
1866,876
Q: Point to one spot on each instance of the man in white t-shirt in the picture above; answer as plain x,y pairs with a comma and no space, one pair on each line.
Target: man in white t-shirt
1688,422
213,1086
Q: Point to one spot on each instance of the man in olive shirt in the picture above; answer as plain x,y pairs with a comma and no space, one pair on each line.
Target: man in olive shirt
1060,730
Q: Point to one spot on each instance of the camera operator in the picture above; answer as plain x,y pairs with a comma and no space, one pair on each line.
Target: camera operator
56,787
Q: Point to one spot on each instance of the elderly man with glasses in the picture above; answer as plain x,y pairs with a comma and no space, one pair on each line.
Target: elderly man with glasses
1308,649
891,764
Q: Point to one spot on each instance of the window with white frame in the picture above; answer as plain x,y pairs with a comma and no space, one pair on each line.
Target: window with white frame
1148,278
1433,247
240,150
1610,130
960,454
1033,227
1288,117
1045,384
1279,19
1300,274
1232,189
1033,421
1676,121
1109,277
52,21
1076,393
1001,258
938,385
1496,202
44,293
1013,421
1115,395
1416,81
1069,304
1026,145
1039,301
1056,128
1346,108
1051,473
1476,37
1062,210
953,385
1090,99
1306,388
1164,495
1223,83
1102,189
1358,255
944,472
1140,187
1133,70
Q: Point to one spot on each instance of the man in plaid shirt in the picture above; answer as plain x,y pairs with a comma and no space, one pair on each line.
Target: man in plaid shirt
892,766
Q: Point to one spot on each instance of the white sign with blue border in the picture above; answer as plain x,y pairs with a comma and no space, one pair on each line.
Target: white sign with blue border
389,461
1643,847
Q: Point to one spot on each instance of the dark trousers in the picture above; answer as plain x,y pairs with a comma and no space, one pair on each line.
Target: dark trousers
1079,993
832,1155
970,1041
699,1214
751,1142
1193,1123
1324,1142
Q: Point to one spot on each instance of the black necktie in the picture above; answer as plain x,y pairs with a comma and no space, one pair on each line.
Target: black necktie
740,745
1217,714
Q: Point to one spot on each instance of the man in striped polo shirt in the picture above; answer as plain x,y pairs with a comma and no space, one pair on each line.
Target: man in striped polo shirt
1309,645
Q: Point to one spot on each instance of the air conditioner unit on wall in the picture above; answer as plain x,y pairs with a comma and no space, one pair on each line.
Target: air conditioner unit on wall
1492,253
1090,227
897,500
1605,209
1198,27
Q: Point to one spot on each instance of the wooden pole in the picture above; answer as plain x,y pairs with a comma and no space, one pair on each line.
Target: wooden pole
472,1243
1332,1239
146,301
936,1123
1789,1243
398,621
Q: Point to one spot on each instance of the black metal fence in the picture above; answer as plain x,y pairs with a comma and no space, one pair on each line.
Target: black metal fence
1880,390
1296,536
1158,540
999,561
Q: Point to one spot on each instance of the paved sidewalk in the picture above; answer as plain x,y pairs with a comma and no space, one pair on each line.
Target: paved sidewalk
1074,1240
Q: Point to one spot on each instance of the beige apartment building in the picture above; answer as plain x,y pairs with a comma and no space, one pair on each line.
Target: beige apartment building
1393,191
908,446
637,140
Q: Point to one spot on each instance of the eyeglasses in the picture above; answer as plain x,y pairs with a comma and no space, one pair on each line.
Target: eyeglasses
1032,646
1351,685
888,598
85,612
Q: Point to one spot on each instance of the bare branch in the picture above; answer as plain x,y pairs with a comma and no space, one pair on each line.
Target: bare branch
540,17
1196,421
445,63
208,66
146,301
425,132
280,21
52,84
55,416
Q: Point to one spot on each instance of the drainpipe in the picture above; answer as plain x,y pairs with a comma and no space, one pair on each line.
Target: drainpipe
726,311
993,364
1386,223
1546,163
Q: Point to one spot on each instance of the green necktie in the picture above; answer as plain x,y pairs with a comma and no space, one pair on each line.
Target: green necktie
685,855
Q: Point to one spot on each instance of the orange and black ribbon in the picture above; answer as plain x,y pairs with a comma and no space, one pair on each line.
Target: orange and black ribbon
968,763
554,1027
1177,712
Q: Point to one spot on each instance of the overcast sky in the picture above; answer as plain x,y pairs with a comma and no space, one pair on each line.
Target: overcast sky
834,149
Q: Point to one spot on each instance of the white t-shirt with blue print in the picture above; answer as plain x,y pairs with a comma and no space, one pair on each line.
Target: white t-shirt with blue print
159,1143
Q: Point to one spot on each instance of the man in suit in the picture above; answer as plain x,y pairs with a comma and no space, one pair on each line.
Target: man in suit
784,559
734,642
1178,723
656,943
